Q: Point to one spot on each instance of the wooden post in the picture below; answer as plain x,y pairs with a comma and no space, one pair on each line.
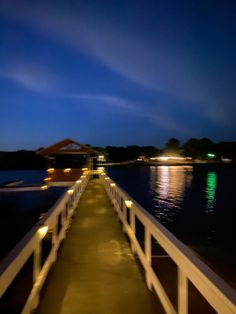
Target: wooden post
148,254
182,292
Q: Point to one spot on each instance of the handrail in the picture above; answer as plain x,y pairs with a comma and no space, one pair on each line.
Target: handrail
217,293
32,244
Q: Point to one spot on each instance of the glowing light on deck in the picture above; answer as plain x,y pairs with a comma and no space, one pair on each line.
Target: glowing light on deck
83,176
112,184
128,203
50,170
67,170
70,192
42,231
84,169
78,181
44,187
107,178
48,179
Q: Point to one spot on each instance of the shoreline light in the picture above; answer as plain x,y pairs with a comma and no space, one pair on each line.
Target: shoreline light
169,158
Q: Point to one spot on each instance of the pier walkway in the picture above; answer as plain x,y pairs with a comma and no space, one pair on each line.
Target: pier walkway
96,271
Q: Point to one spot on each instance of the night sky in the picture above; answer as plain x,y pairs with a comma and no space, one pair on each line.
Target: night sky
116,72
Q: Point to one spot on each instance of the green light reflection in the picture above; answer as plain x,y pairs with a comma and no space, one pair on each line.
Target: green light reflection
211,190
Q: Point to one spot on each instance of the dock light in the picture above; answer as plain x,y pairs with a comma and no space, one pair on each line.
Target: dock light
78,181
112,184
82,177
42,231
44,187
128,203
70,191
47,179
50,170
107,178
67,170
84,169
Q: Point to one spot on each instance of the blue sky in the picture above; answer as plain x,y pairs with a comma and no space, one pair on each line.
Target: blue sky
116,72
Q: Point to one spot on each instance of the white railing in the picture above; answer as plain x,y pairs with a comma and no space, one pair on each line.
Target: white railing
190,268
54,223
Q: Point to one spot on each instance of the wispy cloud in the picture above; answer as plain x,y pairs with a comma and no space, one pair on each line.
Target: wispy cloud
151,113
163,64
31,76
108,100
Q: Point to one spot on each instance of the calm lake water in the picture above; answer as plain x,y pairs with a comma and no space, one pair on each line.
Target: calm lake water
19,211
196,203
28,176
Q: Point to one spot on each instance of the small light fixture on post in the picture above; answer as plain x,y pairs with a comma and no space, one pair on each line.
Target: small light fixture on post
70,191
50,170
128,203
42,231
44,187
67,170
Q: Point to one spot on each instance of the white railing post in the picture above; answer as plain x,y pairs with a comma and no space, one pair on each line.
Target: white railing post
54,241
182,292
37,260
124,215
148,255
132,225
36,270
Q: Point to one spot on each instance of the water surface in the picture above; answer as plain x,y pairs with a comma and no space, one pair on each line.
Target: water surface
196,203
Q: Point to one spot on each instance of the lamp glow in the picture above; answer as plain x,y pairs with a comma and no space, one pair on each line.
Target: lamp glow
82,177
107,178
67,170
70,192
128,203
211,155
47,179
50,170
42,231
44,187
78,181
112,184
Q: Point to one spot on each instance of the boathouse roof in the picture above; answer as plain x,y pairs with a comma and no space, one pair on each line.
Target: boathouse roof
68,146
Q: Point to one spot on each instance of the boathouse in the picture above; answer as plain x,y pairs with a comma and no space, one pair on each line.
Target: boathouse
67,160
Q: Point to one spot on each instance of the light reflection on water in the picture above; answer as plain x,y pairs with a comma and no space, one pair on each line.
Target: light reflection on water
169,183
211,191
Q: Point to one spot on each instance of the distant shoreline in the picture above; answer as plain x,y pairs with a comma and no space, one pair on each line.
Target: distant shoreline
134,163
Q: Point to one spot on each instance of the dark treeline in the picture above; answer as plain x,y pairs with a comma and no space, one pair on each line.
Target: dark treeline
195,148
129,152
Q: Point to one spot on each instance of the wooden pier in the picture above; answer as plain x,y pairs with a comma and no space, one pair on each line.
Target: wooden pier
96,271
92,266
